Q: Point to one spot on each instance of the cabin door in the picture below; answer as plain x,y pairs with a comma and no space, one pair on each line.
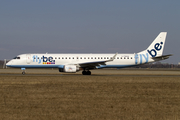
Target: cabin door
28,58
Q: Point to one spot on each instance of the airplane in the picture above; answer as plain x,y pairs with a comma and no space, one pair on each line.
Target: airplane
72,63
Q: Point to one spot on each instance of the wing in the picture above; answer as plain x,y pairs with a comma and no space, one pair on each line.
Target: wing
96,63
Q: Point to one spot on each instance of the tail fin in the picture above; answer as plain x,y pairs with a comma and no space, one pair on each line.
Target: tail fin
157,46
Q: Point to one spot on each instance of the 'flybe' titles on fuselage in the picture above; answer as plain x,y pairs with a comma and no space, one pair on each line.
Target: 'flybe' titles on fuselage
44,60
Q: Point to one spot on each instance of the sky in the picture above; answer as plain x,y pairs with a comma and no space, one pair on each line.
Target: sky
87,26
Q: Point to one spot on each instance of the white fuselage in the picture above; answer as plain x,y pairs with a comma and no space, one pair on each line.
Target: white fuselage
57,60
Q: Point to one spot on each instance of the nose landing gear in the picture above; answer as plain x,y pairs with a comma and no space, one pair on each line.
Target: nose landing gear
23,70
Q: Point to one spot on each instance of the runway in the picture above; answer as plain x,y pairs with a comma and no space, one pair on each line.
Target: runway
99,72
51,75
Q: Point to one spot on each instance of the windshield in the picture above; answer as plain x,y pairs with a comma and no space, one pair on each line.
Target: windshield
16,58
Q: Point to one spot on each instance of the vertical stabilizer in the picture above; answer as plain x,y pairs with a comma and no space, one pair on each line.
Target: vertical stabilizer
157,46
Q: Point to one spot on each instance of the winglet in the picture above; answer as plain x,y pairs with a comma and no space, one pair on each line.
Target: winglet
112,58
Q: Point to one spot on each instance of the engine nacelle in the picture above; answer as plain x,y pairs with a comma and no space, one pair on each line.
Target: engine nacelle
69,69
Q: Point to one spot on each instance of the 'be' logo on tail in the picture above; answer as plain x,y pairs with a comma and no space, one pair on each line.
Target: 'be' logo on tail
157,47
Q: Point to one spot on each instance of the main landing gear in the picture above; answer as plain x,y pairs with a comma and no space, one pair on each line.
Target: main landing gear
84,72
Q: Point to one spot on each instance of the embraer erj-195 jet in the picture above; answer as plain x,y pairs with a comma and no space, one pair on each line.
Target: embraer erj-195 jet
72,63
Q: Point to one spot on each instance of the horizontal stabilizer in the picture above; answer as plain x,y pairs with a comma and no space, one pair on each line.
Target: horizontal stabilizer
163,57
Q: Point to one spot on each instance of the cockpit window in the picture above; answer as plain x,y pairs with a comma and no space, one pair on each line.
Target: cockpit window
16,58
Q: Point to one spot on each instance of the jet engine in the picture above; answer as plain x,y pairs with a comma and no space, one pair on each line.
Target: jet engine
69,69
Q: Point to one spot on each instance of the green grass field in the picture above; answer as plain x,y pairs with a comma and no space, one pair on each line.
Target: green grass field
99,97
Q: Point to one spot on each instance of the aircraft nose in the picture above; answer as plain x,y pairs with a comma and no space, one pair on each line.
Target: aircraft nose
9,63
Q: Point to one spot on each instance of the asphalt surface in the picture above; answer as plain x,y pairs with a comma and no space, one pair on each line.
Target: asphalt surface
99,72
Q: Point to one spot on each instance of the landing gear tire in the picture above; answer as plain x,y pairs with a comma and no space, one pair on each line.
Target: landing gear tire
86,72
23,73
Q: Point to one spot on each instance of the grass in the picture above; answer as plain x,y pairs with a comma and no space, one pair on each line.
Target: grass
90,97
